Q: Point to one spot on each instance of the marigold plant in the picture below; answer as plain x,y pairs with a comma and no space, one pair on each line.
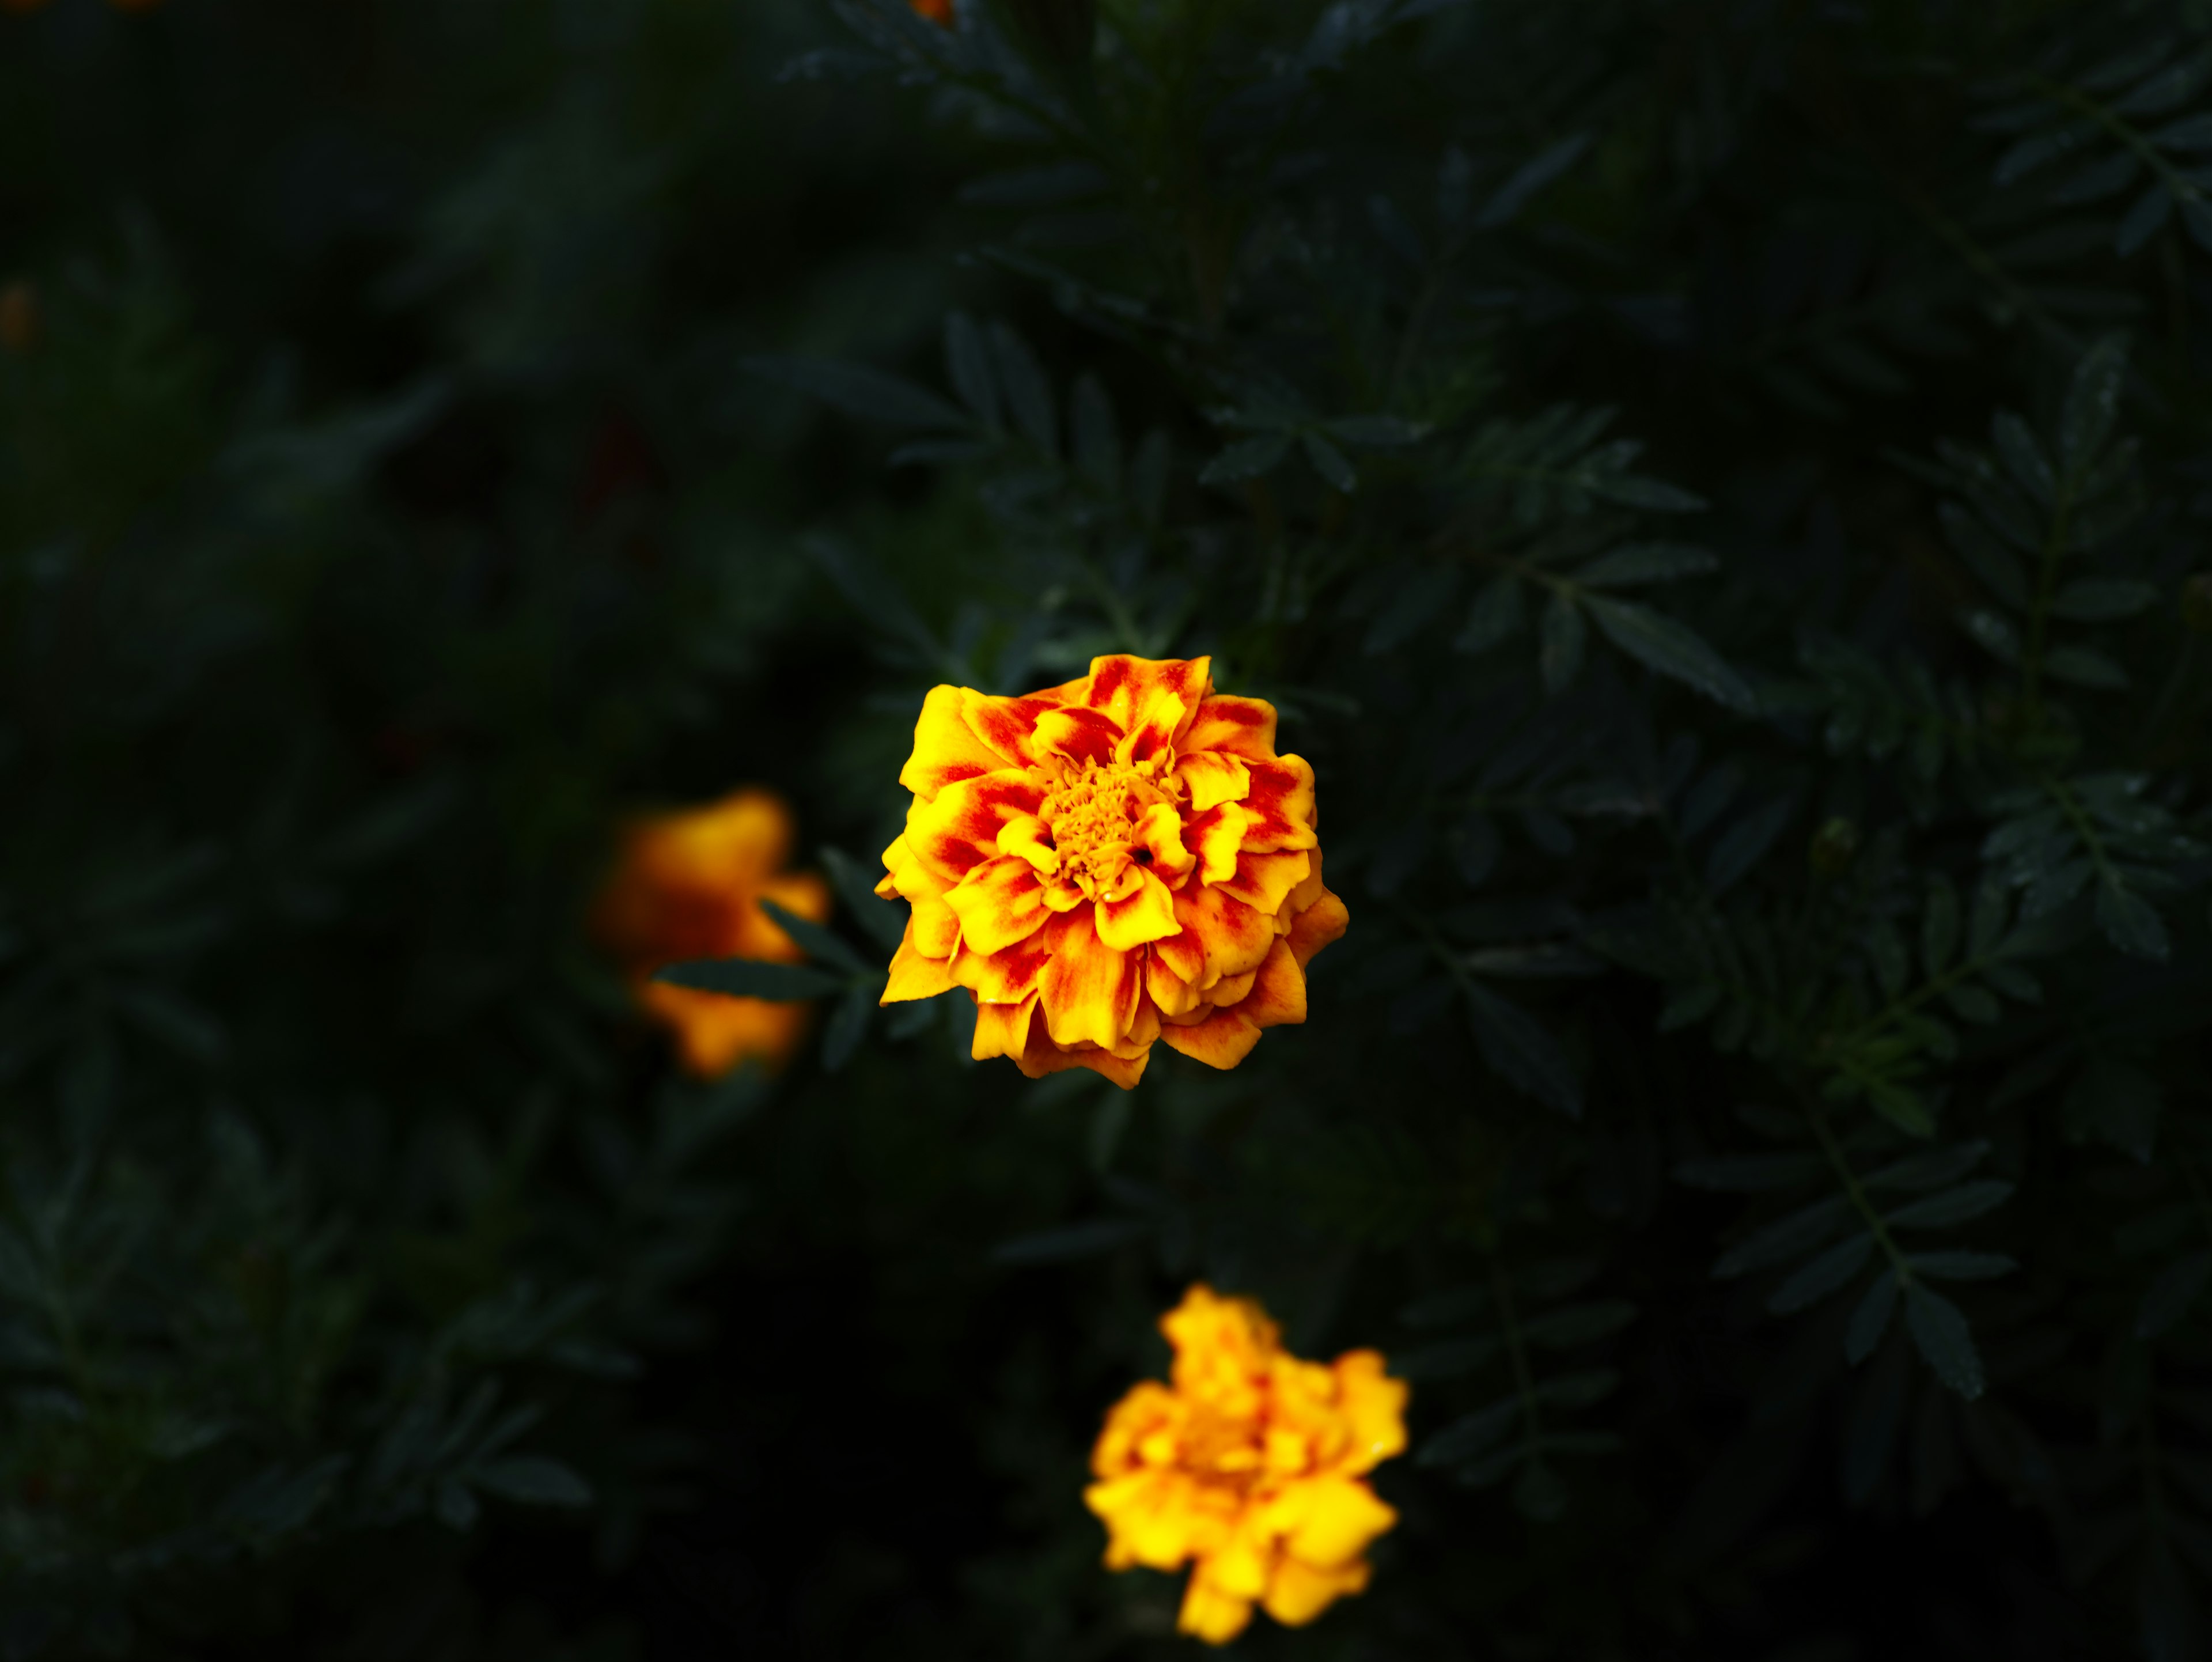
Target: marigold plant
1104,864
689,885
1251,1464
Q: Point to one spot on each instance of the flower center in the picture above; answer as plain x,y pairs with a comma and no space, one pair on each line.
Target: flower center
1091,817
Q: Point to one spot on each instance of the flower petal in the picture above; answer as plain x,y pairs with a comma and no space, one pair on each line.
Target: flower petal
1222,1040
1375,1403
1028,836
958,829
1215,838
1171,993
1078,735
1314,927
1003,1030
1212,778
1265,881
1150,700
947,747
1240,726
997,903
1299,1592
1281,804
1277,998
1208,1614
1090,990
1006,977
714,1033
1339,1516
1233,935
1158,832
914,973
1148,913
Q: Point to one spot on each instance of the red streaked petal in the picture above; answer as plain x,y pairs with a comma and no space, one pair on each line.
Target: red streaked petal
1266,881
958,829
1172,994
1145,915
1160,833
1212,777
1325,920
1089,989
1008,726
1277,998
1006,977
997,903
1003,1030
1215,838
1184,954
1235,938
946,747
1078,734
915,974
1281,803
1241,727
1222,1040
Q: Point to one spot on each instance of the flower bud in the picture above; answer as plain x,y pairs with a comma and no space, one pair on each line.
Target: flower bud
1833,847
19,317
2196,604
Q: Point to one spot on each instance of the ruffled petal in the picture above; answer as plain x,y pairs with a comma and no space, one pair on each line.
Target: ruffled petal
1314,927
1007,976
997,903
1027,835
915,974
1078,734
1241,727
1158,832
1148,913
1277,998
1003,1030
1172,994
1266,881
958,829
1375,1403
947,748
1089,989
1298,1591
1151,701
1233,935
1211,1615
1337,1517
1222,1040
1215,838
1212,777
1281,804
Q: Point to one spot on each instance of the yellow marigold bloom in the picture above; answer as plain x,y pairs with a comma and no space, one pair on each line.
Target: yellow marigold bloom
1250,1465
1103,864
689,885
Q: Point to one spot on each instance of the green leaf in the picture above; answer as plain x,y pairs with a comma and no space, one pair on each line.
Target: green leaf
2168,1298
1331,463
1247,459
814,939
1823,1276
1496,614
1782,1239
1975,1004
848,1027
1464,1439
968,363
2093,405
2101,600
1963,1266
1746,842
2117,1102
1029,394
1378,432
882,918
1931,1170
1996,565
1530,177
1967,1201
1870,1320
1564,638
1517,1049
747,977
2023,457
861,391
2130,922
2081,667
532,1479
1944,1339
2144,220
1672,649
1647,562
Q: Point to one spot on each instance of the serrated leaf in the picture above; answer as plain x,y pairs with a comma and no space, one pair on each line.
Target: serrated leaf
968,363
2093,405
2023,457
1516,1047
747,977
1464,1439
2144,220
1496,614
814,939
533,1480
848,1027
1782,1239
860,392
1945,1341
1672,649
1996,565
1647,562
1959,1205
1247,459
1376,432
1745,843
2130,922
1334,468
1870,1320
1823,1276
1029,393
1505,206
1975,1004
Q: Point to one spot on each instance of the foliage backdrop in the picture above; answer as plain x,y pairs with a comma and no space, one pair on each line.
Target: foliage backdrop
1718,490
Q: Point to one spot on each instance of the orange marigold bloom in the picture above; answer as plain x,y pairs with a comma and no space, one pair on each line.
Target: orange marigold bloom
689,886
937,11
1251,1464
1103,864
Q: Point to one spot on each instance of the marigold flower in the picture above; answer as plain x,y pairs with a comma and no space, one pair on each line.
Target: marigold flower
1103,864
689,885
937,11
1251,1465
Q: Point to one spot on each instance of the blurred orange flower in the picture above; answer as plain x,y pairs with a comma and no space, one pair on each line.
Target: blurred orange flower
19,317
937,11
1103,864
1250,1465
689,886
